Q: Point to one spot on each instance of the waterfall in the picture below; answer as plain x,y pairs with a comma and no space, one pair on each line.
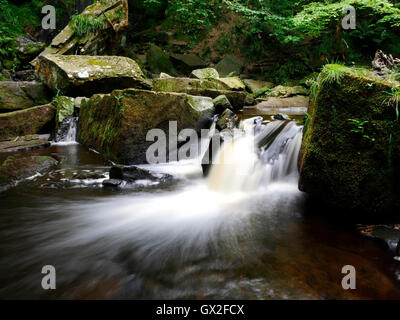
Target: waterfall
67,132
257,156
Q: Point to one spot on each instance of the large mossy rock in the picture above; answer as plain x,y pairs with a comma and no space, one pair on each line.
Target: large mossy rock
33,120
116,124
17,95
14,169
80,36
350,154
158,61
201,87
87,75
229,65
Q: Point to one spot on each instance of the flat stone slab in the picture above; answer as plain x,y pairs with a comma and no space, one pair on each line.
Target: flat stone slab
87,75
24,144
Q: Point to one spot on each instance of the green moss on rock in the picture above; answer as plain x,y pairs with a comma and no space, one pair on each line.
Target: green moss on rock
349,167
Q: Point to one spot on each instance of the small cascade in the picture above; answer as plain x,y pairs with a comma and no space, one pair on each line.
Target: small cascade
67,131
257,156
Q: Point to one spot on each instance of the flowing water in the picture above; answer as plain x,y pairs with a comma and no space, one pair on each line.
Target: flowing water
241,233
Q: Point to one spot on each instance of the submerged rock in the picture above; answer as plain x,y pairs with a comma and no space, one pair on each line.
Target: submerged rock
17,95
133,173
116,124
86,75
281,116
206,73
14,169
33,120
351,148
112,183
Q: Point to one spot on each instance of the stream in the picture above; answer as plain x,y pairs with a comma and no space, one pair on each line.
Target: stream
244,232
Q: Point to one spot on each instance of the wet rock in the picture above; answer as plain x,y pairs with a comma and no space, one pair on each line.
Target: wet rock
84,175
158,61
185,63
254,85
25,143
116,124
65,108
389,234
133,173
221,103
229,65
78,101
227,120
86,75
14,170
281,116
112,16
352,171
21,95
286,92
28,121
214,145
206,73
113,183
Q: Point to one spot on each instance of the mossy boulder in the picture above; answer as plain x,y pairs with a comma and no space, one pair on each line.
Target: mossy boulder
116,124
158,61
182,84
201,87
14,169
33,120
17,95
350,155
221,103
28,49
206,73
229,65
86,75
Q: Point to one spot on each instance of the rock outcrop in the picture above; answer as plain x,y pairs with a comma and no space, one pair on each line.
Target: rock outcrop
116,124
96,31
350,155
33,120
87,75
17,95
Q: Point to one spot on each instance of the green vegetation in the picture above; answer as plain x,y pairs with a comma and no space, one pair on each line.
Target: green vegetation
83,25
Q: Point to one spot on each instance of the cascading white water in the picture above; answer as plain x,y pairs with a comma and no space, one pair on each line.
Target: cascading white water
243,164
67,132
